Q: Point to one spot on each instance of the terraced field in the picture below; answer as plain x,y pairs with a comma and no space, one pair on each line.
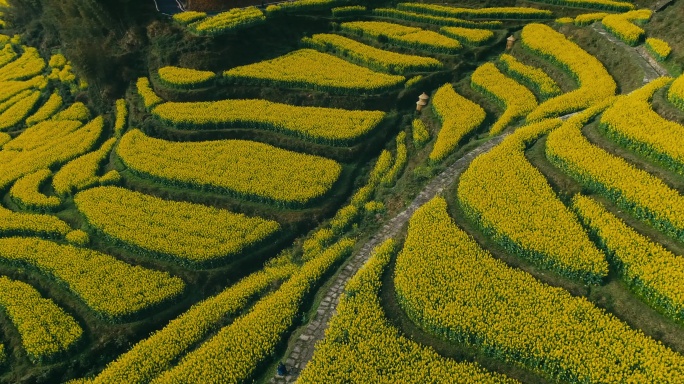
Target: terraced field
383,193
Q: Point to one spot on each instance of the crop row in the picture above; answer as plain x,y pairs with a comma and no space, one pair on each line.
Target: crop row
457,291
622,25
45,329
223,22
324,125
653,272
660,49
645,196
361,345
44,146
609,5
310,69
186,232
532,77
245,169
81,173
371,57
512,202
632,122
477,13
185,78
516,100
409,37
595,83
252,338
459,117
47,110
468,36
399,162
17,112
434,20
30,224
28,65
111,288
589,18
152,356
676,92
26,192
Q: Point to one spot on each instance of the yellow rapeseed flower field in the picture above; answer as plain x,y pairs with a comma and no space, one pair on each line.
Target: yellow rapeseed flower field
457,291
512,201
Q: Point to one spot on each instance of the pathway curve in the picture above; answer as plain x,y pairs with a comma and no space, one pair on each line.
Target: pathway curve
304,346
652,69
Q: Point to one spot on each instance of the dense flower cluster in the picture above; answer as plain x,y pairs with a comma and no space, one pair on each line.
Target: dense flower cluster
152,356
478,13
361,346
45,329
660,49
532,77
368,56
421,135
426,18
187,232
26,192
351,10
632,122
512,202
455,290
242,168
515,98
676,92
645,196
121,117
16,113
310,69
325,125
76,111
185,78
595,82
46,145
81,173
459,117
608,5
47,110
29,64
622,26
399,161
653,272
188,17
233,20
410,37
145,91
250,339
468,36
589,18
120,289
29,224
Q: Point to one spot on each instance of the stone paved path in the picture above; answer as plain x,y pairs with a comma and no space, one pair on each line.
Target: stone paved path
652,69
315,330
304,346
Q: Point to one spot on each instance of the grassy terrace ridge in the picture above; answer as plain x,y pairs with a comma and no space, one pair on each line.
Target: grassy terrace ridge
324,125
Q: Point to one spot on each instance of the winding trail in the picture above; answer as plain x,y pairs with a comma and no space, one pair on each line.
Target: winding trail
652,69
314,331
